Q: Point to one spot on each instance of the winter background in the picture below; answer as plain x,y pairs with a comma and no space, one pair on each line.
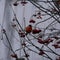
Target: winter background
6,17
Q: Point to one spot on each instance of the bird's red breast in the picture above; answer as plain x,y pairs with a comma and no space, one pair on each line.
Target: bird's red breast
28,28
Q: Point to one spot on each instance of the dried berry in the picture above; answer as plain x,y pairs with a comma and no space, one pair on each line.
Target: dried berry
41,52
24,44
32,21
40,41
34,15
15,4
35,31
58,42
26,55
58,58
22,34
3,30
20,59
14,55
19,30
38,13
14,25
39,17
23,3
56,37
56,45
50,40
47,41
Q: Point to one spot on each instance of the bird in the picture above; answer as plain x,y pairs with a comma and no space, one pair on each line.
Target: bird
28,29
